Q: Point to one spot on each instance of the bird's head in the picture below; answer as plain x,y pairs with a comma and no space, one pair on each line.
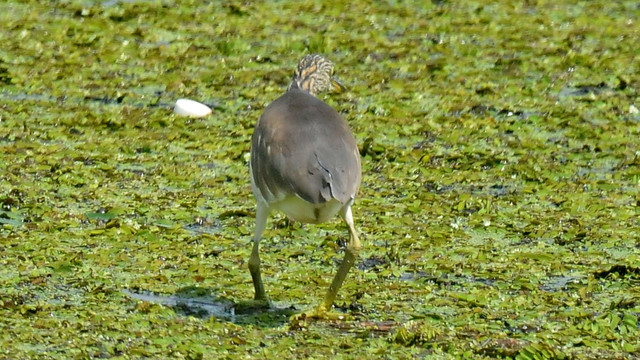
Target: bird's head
314,75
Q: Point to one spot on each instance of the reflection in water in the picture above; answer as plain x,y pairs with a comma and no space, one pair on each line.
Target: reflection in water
200,306
196,302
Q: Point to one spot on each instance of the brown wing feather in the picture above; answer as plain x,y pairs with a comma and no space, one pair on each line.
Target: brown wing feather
308,151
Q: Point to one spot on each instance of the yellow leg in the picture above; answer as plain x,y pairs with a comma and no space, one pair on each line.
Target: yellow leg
262,213
351,253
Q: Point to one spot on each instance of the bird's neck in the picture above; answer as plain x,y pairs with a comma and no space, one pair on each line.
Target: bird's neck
305,85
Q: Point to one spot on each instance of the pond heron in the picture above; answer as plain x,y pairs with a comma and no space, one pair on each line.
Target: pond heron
305,163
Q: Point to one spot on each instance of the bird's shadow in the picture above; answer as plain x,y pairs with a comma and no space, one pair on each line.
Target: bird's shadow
202,303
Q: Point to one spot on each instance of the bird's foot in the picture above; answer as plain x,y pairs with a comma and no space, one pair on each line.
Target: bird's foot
301,320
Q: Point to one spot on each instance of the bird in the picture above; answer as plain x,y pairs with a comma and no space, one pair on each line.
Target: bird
305,163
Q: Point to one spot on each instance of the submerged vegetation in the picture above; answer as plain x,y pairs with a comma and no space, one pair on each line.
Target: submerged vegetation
498,212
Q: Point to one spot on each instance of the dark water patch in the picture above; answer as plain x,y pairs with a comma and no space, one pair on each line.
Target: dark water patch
437,188
200,306
111,3
105,100
518,114
559,283
445,279
263,315
365,329
480,110
599,171
583,90
622,271
372,262
200,303
41,293
429,139
7,97
418,275
140,170
494,190
499,190
203,225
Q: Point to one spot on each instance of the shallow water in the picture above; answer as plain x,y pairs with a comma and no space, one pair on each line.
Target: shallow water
203,307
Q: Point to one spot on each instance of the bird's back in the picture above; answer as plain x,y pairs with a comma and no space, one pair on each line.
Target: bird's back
302,146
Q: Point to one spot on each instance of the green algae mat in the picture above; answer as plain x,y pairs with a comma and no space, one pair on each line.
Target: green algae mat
500,143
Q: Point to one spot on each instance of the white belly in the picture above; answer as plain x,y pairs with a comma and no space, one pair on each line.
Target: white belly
295,207
303,211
